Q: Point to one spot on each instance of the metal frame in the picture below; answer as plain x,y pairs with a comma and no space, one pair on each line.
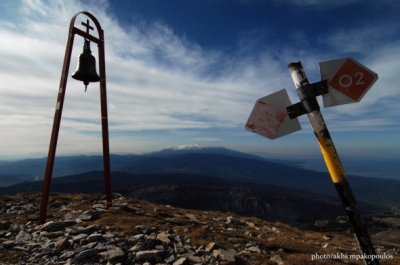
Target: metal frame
59,106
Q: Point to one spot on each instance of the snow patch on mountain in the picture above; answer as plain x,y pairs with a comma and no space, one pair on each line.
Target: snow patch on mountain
190,147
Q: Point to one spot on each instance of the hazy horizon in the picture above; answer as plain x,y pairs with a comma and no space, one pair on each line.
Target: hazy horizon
360,166
191,71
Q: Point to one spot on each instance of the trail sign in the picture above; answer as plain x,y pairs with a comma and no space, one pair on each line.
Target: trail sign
348,81
343,81
270,118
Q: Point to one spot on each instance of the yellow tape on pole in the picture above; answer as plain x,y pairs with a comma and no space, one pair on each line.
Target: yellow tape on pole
331,158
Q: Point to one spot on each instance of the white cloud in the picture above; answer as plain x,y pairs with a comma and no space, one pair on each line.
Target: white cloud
155,81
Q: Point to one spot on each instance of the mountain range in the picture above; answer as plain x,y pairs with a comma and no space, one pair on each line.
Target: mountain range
202,177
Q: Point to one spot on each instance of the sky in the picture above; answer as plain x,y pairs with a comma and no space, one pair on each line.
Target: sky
190,71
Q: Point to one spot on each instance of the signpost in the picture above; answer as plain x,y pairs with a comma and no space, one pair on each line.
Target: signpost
348,81
269,117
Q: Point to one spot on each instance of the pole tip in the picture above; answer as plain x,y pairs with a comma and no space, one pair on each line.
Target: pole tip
295,65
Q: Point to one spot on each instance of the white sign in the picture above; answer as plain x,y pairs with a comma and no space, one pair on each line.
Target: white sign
348,81
269,117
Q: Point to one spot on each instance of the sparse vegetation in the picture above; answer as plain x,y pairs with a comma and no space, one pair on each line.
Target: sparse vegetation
294,245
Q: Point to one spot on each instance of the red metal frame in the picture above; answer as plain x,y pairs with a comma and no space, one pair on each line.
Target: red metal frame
59,106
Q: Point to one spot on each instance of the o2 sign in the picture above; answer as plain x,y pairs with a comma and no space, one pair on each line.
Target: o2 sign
348,81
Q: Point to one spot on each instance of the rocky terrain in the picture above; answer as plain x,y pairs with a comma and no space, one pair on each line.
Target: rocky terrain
79,230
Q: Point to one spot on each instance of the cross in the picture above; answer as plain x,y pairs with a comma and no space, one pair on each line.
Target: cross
87,26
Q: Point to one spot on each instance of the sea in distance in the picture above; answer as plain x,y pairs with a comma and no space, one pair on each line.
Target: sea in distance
367,167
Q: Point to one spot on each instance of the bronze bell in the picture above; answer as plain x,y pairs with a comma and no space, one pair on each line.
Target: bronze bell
86,70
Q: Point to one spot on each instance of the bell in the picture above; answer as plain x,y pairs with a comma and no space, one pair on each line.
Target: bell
86,70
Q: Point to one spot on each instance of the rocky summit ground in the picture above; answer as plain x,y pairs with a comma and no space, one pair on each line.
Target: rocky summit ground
79,230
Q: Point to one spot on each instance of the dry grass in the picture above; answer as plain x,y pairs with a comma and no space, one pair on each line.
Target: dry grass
294,245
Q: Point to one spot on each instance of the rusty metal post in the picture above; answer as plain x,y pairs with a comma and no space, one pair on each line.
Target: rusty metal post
59,106
334,165
55,130
104,120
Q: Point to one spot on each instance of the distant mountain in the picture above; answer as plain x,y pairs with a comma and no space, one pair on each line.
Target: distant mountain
202,149
30,169
12,172
213,162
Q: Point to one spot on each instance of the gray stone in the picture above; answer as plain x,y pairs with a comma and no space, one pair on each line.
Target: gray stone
170,258
143,228
151,241
8,243
90,245
181,261
114,255
149,254
86,254
211,246
22,236
16,227
195,259
163,238
77,238
4,225
56,226
62,244
138,247
67,254
228,255
94,237
253,249
99,206
277,259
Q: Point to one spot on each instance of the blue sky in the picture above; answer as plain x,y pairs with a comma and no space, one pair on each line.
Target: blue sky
185,72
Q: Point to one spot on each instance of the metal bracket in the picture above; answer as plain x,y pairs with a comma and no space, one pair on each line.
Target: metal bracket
313,90
308,94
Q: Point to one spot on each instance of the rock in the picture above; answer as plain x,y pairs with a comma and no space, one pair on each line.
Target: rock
99,207
278,259
138,247
86,254
62,244
149,254
195,260
181,261
22,236
144,229
210,247
163,238
16,227
114,255
151,241
94,237
228,255
78,238
67,254
56,226
253,249
8,243
4,225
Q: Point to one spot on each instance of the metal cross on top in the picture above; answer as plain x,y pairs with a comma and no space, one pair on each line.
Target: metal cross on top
88,27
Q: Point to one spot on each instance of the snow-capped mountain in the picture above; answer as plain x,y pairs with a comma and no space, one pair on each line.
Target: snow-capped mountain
190,147
202,149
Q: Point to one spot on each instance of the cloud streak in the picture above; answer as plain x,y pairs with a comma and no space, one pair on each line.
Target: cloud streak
158,81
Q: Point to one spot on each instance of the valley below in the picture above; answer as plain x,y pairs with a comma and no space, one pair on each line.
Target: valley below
216,180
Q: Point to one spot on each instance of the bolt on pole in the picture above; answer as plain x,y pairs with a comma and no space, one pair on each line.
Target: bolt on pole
333,164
